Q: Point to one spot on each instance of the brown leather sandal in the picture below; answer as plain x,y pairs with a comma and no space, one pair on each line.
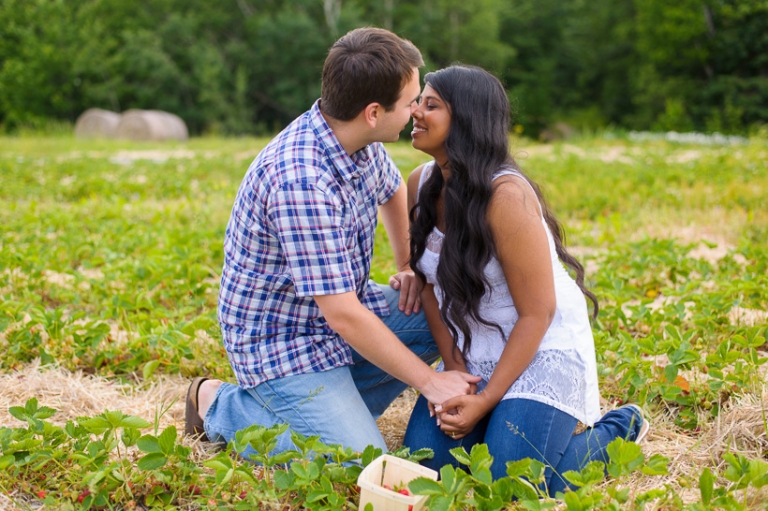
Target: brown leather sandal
193,423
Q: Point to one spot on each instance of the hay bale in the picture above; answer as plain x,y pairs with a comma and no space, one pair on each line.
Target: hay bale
151,125
96,123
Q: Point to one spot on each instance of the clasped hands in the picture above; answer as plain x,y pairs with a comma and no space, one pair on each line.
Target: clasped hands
457,415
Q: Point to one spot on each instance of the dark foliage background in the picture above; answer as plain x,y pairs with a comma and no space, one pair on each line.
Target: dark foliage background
250,66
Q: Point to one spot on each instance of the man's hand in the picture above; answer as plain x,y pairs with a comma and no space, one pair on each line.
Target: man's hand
459,415
410,287
445,385
431,406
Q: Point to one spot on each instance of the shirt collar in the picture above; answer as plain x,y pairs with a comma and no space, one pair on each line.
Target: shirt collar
348,167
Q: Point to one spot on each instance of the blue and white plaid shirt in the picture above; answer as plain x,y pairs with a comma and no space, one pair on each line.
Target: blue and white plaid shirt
302,225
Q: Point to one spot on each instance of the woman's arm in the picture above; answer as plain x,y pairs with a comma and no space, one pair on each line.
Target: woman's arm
522,249
452,358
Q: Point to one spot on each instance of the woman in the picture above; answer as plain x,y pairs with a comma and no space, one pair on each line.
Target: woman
498,300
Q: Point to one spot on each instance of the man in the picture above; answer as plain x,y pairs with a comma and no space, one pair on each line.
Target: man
312,342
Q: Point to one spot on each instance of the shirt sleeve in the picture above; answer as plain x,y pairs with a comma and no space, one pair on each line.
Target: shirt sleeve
310,228
389,175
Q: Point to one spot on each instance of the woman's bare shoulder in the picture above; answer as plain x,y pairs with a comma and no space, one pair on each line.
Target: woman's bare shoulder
513,199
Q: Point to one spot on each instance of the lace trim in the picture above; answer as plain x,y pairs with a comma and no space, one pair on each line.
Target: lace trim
435,242
555,375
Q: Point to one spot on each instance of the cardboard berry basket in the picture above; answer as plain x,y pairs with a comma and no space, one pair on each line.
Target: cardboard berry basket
393,473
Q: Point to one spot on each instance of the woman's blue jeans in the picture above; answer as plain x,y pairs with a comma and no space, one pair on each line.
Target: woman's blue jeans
340,405
522,428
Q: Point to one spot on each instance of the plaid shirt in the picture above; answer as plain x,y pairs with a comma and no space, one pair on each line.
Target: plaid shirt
302,225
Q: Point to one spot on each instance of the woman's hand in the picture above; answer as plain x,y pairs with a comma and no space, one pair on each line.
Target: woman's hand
472,390
459,415
410,287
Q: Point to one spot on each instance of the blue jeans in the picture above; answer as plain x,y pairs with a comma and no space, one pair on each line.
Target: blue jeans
339,405
522,428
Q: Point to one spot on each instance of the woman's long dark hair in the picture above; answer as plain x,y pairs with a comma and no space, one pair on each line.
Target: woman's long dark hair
477,147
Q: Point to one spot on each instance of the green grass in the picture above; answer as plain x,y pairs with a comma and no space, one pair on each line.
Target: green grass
111,252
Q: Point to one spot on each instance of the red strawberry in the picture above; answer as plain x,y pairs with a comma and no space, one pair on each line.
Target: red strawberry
404,491
41,494
81,497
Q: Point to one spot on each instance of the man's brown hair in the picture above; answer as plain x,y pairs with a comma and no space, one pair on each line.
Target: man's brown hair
367,65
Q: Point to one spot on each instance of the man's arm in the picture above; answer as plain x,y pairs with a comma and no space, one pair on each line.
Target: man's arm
368,335
394,216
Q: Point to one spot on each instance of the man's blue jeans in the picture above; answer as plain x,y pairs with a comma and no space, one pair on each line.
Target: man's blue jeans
339,405
522,428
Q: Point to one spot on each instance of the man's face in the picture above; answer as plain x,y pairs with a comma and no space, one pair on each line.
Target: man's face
393,122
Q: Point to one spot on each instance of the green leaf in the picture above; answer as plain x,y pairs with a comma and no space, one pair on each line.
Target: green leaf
440,503
283,480
625,457
284,457
95,425
314,469
152,461
706,486
44,412
448,478
219,463
483,475
316,495
370,453
113,417
19,412
149,443
131,421
245,472
535,504
424,453
461,455
670,373
494,503
573,477
299,469
425,486
572,501
167,440
657,465
503,488
223,477
518,468
31,406
130,436
523,490
6,461
538,470
480,456
150,368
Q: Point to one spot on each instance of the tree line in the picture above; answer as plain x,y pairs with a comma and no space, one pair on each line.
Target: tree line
251,66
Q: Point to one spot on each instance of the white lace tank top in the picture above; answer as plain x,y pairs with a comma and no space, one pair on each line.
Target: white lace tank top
563,373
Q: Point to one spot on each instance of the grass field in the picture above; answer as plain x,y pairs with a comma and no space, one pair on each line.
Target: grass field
110,257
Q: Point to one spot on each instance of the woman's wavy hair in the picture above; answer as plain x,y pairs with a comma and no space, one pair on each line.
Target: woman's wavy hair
477,146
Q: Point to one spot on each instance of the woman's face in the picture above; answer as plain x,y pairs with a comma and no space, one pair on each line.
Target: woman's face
431,123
